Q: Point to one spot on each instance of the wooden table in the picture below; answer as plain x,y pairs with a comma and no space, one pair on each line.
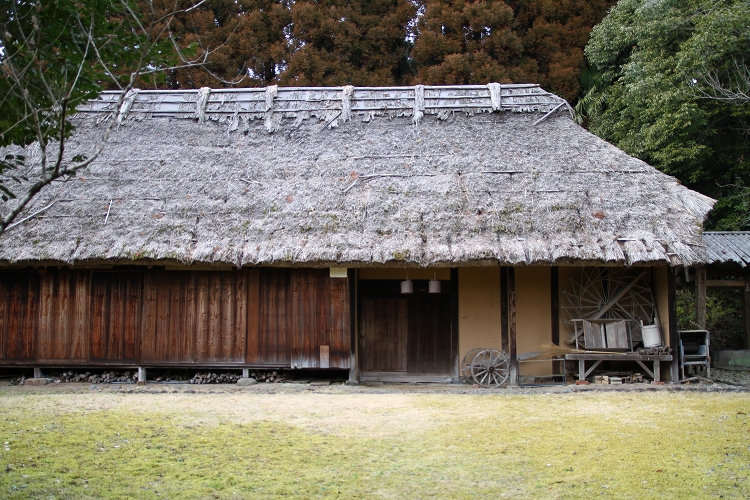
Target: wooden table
656,359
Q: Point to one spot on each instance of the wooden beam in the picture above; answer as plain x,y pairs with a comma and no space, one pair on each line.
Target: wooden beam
700,296
504,308
354,368
454,324
512,326
555,312
724,283
673,343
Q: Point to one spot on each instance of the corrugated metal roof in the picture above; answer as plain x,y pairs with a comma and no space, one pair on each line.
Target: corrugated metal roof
728,247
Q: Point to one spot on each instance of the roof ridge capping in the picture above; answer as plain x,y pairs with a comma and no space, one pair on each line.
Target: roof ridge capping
328,104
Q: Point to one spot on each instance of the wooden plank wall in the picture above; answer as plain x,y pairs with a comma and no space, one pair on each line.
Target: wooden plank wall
64,313
194,317
298,311
277,317
19,292
115,316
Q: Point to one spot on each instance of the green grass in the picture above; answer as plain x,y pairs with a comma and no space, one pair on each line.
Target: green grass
353,445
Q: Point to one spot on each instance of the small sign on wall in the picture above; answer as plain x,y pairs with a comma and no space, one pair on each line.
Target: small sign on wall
338,272
325,356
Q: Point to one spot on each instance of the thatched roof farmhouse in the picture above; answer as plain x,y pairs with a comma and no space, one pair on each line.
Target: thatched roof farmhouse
425,176
271,228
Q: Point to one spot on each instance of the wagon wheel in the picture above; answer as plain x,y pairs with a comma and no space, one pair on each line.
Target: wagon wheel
587,293
466,364
490,368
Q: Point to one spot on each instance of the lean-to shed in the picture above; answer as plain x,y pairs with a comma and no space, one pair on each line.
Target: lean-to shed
271,227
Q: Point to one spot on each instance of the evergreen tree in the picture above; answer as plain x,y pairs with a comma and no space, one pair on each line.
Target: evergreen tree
461,42
339,42
554,33
243,41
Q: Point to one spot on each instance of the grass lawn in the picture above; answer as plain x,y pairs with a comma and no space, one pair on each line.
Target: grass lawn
342,442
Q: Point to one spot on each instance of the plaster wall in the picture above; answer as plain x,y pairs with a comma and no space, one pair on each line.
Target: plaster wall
479,311
533,315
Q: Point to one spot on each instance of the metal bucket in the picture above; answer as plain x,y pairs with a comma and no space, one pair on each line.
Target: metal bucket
651,335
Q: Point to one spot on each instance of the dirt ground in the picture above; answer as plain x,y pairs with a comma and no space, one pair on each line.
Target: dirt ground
374,441
373,409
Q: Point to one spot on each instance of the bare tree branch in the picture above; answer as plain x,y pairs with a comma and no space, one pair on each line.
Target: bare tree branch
47,118
734,91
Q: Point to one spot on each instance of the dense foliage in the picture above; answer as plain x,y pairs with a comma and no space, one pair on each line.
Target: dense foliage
387,42
660,84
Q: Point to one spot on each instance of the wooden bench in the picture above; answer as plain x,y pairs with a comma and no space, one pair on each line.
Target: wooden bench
597,358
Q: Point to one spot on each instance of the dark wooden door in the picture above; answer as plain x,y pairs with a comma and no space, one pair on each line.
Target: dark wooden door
385,322
429,339
409,334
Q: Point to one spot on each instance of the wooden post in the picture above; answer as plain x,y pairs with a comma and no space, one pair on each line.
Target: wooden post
246,373
504,308
454,324
700,297
746,302
555,313
354,301
673,343
141,376
38,373
512,326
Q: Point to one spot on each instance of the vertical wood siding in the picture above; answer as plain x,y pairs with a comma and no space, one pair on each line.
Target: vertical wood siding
194,317
340,339
299,311
115,316
64,316
255,316
19,293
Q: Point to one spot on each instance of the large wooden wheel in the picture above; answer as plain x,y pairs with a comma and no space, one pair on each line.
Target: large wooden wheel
608,293
466,364
490,368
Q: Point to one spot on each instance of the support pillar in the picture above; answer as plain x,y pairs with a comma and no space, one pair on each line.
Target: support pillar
555,313
455,355
38,373
512,326
504,308
700,297
141,375
353,276
246,373
673,342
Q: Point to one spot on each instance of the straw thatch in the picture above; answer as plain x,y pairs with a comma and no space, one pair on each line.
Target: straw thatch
439,176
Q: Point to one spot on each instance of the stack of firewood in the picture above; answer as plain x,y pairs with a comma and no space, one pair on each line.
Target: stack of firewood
94,378
214,378
266,376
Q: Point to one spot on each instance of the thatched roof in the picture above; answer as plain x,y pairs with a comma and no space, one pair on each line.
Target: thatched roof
348,176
